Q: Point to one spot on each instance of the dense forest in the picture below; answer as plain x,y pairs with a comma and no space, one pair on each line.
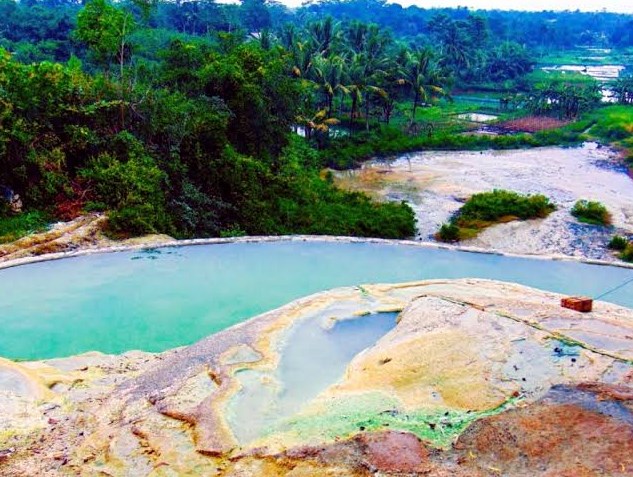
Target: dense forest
181,117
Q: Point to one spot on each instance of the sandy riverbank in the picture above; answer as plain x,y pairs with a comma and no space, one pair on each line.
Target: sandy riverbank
436,184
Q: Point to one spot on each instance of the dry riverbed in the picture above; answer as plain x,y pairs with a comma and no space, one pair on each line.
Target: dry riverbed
436,184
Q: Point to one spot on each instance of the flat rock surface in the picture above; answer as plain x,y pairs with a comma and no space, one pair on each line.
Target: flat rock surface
83,233
477,378
436,184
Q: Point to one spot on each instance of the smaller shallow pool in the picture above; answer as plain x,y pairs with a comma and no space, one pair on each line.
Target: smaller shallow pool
314,355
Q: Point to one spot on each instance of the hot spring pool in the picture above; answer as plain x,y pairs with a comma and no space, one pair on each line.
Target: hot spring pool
156,300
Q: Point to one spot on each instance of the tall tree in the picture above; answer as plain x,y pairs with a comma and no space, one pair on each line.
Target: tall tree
424,76
255,15
105,29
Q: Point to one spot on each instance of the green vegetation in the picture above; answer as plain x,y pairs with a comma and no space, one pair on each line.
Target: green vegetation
622,245
618,243
565,98
488,208
614,125
627,253
449,233
350,151
590,212
13,227
202,149
176,117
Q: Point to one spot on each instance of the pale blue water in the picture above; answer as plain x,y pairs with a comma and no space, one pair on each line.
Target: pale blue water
121,301
313,358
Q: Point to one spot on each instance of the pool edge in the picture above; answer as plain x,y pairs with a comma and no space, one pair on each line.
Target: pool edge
302,238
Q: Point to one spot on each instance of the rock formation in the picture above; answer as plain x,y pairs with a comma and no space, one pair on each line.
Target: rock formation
477,378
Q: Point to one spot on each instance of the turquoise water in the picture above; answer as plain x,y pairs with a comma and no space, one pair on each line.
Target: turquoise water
313,357
154,301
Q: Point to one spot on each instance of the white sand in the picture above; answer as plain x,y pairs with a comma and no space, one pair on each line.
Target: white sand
437,183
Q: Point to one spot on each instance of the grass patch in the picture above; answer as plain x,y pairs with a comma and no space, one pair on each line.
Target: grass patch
489,208
614,125
14,227
591,212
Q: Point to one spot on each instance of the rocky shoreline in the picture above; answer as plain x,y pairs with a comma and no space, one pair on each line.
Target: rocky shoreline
478,378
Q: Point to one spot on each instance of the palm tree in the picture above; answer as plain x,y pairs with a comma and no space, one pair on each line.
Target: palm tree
328,74
368,65
425,78
317,124
301,57
323,35
623,90
288,36
355,36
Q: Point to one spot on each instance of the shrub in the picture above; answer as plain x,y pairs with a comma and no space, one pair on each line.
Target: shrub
487,208
232,231
627,253
131,187
618,243
590,212
137,219
448,233
13,227
500,204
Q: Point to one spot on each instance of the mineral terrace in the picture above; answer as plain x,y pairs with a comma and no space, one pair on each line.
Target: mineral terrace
477,378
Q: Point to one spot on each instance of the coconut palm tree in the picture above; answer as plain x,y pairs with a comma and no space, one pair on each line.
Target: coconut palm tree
425,78
323,34
364,80
367,65
317,126
327,73
623,90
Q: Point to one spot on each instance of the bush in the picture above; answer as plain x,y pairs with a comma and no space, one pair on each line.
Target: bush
488,208
627,253
501,204
590,212
137,219
448,233
13,227
618,243
232,231
130,186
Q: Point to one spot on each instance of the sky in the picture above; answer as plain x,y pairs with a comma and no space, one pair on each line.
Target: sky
623,6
